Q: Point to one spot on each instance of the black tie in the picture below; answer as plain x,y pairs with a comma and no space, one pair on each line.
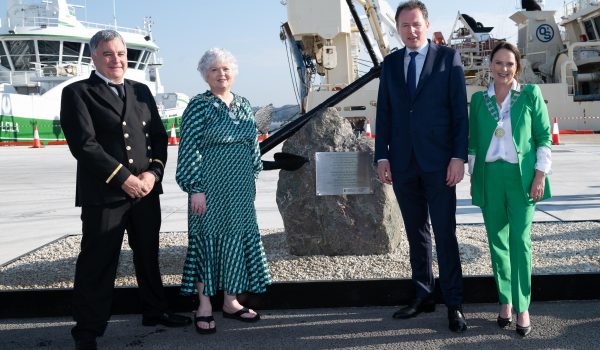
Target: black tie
120,89
411,75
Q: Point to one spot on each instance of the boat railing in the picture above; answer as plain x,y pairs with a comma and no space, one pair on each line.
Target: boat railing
22,78
575,6
41,22
32,77
119,29
45,22
475,54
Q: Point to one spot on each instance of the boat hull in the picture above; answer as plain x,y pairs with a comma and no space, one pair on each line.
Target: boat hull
16,131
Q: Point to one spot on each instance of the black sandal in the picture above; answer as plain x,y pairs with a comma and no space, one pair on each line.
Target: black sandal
238,315
207,319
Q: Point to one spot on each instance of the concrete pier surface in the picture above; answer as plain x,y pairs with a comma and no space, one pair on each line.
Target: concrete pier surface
37,194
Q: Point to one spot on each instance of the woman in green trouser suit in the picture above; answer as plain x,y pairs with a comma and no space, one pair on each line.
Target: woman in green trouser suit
509,157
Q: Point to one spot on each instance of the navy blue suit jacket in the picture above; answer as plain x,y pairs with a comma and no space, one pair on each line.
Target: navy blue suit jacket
433,125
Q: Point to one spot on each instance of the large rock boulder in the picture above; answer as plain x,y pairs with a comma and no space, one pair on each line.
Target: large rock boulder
341,224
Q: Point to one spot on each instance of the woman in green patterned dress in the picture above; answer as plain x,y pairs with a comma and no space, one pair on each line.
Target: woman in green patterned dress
218,162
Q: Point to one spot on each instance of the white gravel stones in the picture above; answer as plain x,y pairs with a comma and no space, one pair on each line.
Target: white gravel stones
566,247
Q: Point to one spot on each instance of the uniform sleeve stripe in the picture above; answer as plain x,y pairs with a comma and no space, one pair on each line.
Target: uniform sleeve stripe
159,162
114,173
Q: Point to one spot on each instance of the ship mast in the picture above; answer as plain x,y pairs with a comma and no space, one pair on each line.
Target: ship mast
115,13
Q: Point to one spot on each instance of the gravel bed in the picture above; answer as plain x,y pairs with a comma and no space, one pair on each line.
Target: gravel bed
566,247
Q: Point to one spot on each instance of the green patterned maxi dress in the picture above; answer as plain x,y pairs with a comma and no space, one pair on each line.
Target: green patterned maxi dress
219,155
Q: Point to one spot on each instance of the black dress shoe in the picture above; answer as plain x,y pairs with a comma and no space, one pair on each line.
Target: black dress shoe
456,320
86,344
503,322
167,319
417,306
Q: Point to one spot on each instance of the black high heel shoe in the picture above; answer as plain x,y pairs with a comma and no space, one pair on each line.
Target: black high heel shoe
504,322
523,330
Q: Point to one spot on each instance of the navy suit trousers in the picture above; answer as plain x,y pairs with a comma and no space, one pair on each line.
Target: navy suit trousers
423,195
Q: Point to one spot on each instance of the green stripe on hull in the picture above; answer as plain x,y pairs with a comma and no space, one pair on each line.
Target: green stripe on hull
14,129
170,121
18,129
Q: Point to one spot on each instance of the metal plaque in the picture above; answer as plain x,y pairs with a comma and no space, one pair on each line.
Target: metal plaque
341,173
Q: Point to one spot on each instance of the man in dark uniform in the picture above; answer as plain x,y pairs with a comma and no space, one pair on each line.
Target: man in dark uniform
113,129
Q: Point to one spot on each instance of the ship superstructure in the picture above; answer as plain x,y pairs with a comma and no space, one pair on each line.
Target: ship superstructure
328,39
333,46
564,63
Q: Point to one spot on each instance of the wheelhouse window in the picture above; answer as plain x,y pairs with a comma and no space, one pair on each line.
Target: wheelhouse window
87,57
71,52
133,55
22,53
597,22
144,59
589,30
4,57
49,51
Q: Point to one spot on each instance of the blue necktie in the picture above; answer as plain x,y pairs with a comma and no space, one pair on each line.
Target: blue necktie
411,75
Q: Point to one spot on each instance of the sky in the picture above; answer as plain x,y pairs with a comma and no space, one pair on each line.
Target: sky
185,29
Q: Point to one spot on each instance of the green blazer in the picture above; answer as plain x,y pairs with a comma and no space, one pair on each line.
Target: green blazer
530,130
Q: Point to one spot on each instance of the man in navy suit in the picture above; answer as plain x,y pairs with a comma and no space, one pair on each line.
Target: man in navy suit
421,130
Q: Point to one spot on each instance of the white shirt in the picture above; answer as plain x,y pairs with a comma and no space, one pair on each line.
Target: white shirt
504,148
109,81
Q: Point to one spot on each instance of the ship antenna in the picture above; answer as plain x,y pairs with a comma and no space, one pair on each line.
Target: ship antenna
148,22
115,13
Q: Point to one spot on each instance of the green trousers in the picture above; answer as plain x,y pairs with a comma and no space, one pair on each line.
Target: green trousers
508,216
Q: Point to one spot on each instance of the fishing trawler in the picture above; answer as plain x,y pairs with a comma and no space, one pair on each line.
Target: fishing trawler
43,48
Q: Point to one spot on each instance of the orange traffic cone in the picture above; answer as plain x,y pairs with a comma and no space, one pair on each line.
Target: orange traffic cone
36,139
263,137
368,130
555,137
173,138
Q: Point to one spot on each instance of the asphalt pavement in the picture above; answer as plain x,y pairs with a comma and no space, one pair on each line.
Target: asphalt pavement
556,325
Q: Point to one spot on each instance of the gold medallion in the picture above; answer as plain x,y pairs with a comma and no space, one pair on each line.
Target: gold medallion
499,132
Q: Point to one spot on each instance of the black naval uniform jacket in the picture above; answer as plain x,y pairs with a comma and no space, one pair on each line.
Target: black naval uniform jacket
111,138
